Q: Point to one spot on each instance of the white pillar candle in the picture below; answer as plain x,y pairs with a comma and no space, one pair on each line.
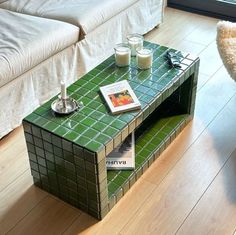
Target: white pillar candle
63,90
135,41
122,55
144,58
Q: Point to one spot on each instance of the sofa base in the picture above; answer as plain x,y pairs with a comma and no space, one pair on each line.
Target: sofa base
141,17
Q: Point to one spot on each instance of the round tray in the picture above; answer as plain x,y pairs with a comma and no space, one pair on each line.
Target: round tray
64,106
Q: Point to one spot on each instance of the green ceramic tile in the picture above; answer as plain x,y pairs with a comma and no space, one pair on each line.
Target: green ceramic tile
48,146
78,150
51,126
94,146
99,126
31,118
68,156
61,131
110,131
97,80
80,128
75,96
111,174
108,119
39,152
84,100
139,159
87,111
82,140
112,187
82,91
126,117
67,145
102,109
36,132
118,124
88,121
119,180
117,140
99,99
92,95
50,165
73,87
94,104
151,147
102,138
57,141
90,133
57,151
104,82
70,124
88,85
72,136
41,121
125,174
69,166
97,115
100,155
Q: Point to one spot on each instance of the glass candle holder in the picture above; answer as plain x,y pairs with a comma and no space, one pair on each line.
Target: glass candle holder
144,58
122,54
135,41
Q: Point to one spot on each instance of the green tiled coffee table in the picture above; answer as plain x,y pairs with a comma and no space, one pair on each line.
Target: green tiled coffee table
67,153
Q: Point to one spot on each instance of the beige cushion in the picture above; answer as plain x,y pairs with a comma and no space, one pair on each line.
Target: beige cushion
88,14
25,41
226,43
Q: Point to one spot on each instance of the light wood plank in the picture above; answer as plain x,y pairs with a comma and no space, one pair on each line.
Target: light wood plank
9,139
18,166
50,216
214,95
204,33
202,80
167,34
216,211
13,157
188,46
17,200
181,189
118,217
210,60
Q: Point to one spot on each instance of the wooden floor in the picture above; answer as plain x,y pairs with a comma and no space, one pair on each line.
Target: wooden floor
190,189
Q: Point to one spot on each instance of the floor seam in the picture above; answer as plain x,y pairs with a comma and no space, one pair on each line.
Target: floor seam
17,177
211,182
27,213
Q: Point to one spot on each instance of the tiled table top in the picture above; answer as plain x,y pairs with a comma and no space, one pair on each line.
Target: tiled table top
94,127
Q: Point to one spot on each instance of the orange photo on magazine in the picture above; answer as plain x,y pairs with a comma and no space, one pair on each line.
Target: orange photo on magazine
121,98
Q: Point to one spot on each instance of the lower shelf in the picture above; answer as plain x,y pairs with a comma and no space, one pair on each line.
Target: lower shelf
152,138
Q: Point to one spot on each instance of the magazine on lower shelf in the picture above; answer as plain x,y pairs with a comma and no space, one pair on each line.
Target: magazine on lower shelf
120,97
122,157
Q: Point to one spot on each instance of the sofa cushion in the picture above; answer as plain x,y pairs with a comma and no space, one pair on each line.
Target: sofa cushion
25,41
88,14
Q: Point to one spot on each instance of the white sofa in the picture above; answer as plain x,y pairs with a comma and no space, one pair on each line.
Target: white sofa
44,41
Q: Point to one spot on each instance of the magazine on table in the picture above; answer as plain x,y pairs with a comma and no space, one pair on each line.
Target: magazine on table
122,157
120,97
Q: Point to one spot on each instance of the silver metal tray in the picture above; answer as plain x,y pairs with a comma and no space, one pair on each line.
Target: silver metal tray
64,106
